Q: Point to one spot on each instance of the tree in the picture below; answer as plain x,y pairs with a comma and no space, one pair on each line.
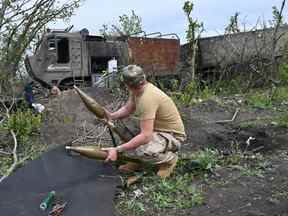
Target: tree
20,22
233,26
127,25
195,28
278,20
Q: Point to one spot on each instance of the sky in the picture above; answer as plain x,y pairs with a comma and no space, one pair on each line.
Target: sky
167,16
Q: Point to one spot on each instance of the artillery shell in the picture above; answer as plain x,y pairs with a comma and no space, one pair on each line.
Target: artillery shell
96,153
91,104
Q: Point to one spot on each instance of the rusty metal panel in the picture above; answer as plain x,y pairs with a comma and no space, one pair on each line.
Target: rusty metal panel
157,56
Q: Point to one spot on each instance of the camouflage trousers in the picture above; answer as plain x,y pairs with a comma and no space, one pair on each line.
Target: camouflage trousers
162,148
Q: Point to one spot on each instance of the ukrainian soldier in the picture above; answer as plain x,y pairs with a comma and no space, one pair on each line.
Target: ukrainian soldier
161,126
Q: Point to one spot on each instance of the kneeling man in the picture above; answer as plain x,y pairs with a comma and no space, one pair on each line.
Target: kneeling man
161,126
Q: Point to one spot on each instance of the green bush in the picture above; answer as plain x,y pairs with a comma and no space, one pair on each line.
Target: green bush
259,100
284,73
23,123
280,94
283,120
228,87
207,159
179,192
189,92
194,91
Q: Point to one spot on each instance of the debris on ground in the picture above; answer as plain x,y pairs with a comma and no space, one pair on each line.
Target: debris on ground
57,209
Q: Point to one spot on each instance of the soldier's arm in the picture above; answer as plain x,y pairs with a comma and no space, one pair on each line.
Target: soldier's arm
145,136
123,112
142,138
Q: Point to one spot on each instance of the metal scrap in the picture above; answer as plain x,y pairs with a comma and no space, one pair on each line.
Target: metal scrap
57,209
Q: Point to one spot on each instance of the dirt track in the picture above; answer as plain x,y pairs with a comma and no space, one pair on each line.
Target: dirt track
229,192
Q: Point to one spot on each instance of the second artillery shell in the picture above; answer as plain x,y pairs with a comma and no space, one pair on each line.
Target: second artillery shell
89,151
98,154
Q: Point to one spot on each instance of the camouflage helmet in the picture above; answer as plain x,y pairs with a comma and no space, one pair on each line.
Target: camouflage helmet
133,75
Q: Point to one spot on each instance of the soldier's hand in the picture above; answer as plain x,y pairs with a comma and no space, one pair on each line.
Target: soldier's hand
112,154
108,114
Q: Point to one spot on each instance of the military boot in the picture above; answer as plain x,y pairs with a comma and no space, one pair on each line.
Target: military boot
129,167
165,169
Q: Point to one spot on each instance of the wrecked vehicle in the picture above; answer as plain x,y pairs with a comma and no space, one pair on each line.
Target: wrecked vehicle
66,58
252,49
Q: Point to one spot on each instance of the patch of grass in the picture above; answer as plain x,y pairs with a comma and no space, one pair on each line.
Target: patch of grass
258,122
247,164
133,206
259,100
5,164
248,171
26,126
194,93
207,159
233,159
284,73
23,123
283,120
160,195
267,99
280,94
228,87
176,192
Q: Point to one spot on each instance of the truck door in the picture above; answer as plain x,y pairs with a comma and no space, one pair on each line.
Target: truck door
59,66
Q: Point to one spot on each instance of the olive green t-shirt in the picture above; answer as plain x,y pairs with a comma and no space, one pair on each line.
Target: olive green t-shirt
155,104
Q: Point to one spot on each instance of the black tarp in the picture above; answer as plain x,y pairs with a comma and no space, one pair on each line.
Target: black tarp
86,185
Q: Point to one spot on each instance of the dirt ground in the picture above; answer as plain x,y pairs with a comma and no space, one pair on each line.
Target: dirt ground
228,192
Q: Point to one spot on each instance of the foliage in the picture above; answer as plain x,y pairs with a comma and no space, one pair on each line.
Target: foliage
259,100
277,17
133,206
183,190
233,26
284,73
207,159
228,87
193,32
177,192
248,171
20,23
127,25
194,26
280,94
189,92
23,123
283,120
194,93
5,164
268,98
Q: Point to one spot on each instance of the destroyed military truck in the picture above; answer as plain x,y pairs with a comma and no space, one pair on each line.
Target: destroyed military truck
243,51
66,58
